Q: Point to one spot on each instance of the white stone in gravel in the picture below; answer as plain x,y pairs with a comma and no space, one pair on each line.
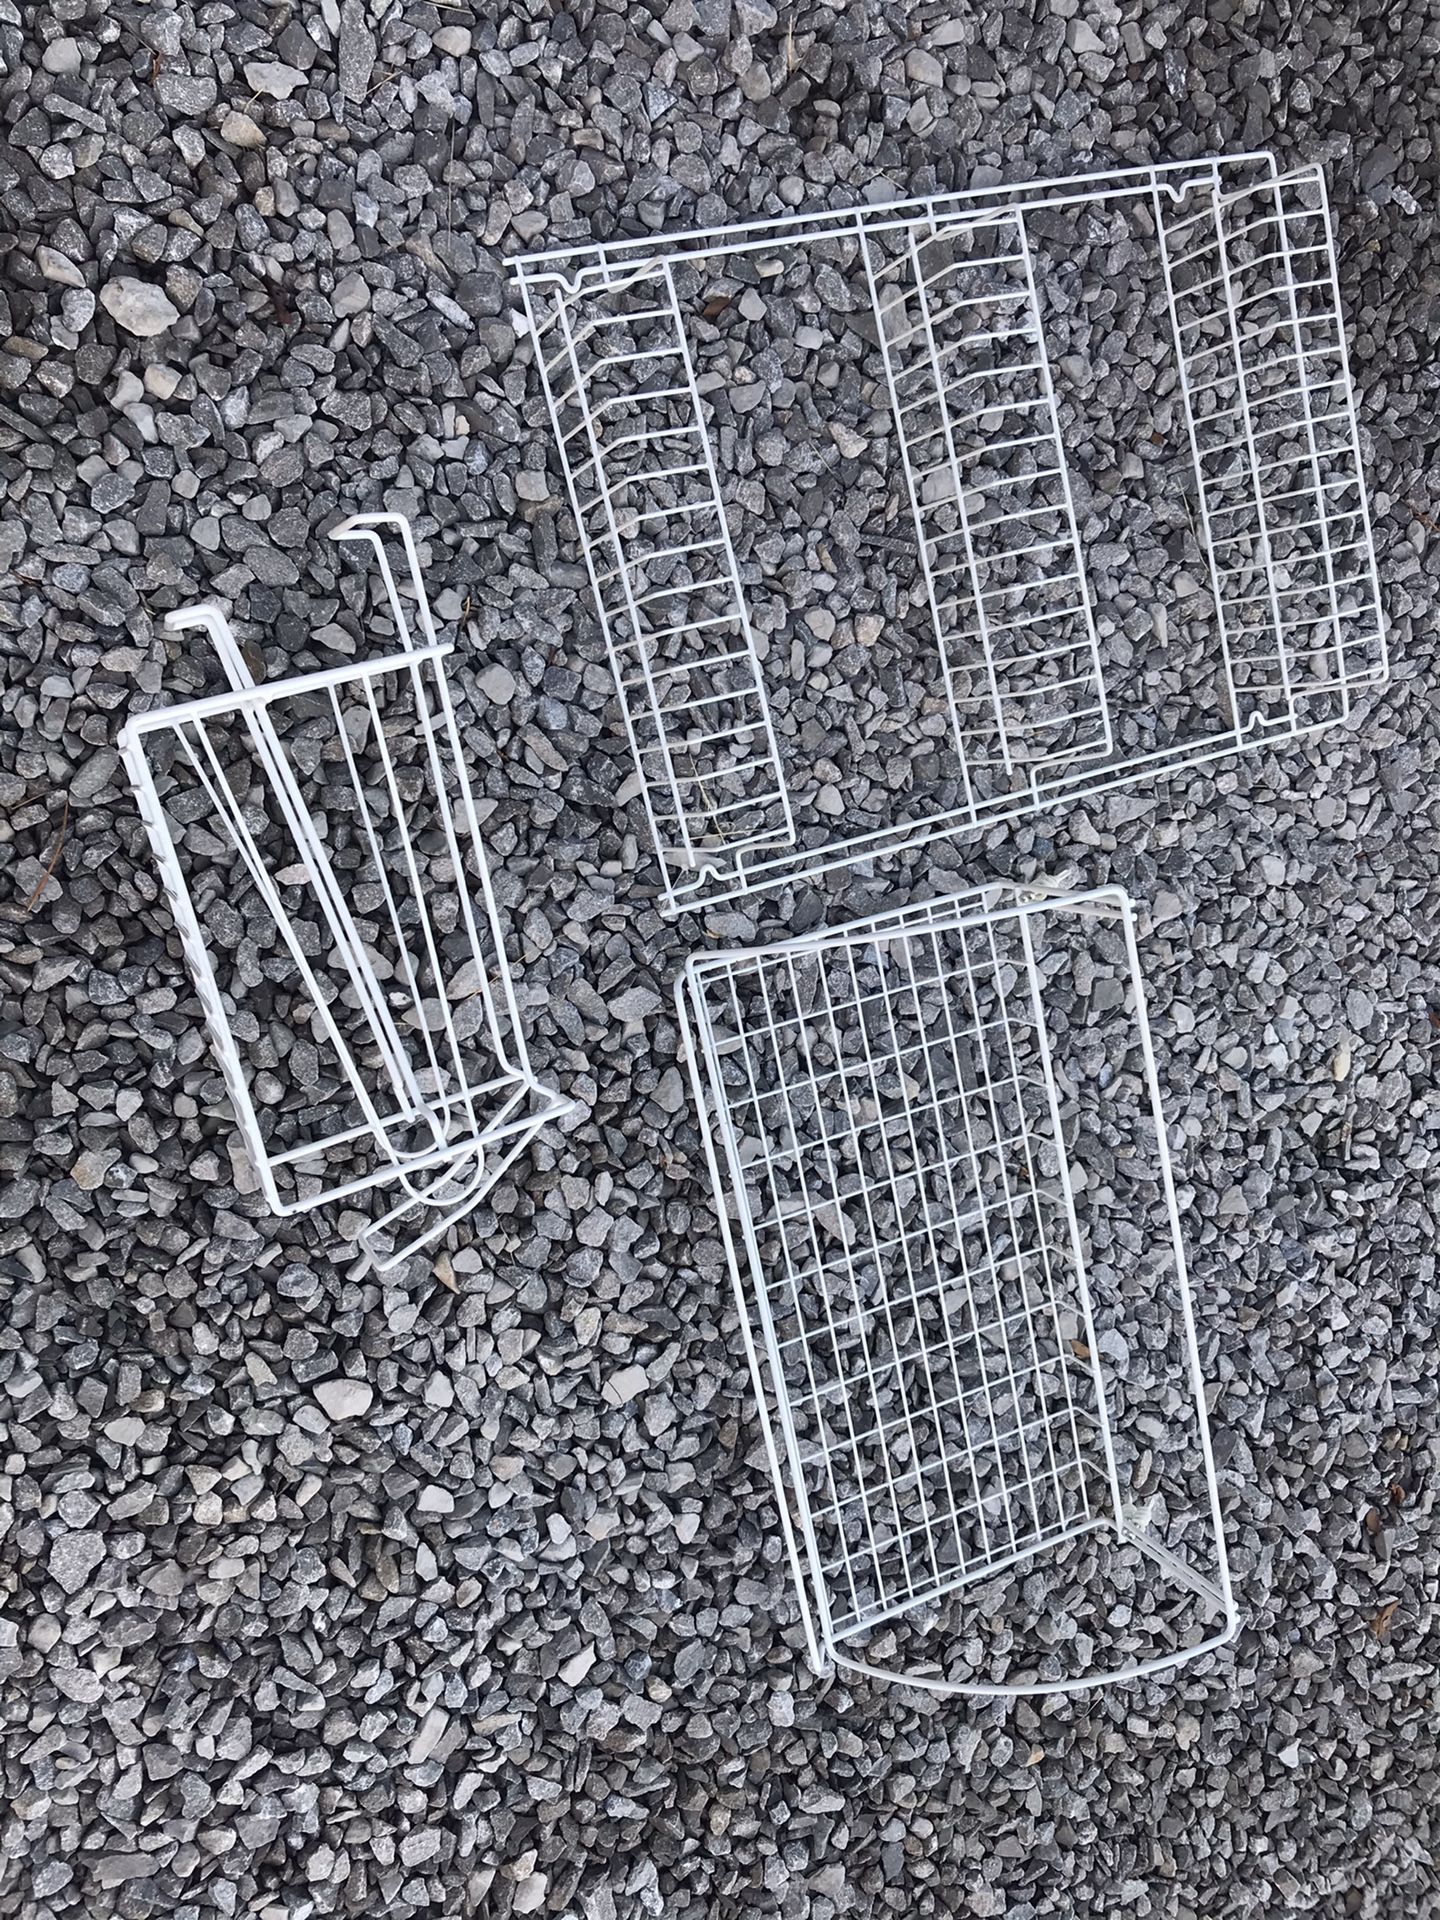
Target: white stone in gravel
351,295
453,40
161,381
1083,38
830,800
577,1666
497,683
530,1893
417,1848
436,1500
687,1525
345,1399
126,391
56,267
126,1430
273,77
923,69
79,1683
139,307
77,308
428,1735
625,1384
61,56
850,443
531,485
239,130
74,1557
45,1632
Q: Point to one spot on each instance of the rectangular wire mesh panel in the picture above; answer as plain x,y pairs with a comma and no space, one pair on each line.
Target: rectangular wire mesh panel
317,840
974,412
1281,492
912,491
899,1127
665,573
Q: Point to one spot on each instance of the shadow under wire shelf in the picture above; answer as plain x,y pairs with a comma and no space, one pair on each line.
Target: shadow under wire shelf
988,499
943,1183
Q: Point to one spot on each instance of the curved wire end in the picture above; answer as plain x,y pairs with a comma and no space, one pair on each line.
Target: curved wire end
465,1192
202,613
1082,1683
360,526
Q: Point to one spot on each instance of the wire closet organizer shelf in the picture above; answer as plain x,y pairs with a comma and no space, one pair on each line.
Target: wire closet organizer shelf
942,1175
994,498
317,840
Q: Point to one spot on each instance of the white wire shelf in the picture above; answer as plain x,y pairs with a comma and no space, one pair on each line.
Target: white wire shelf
1066,570
317,841
943,1183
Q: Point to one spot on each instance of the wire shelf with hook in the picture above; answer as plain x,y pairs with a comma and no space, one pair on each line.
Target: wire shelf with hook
318,844
913,491
943,1181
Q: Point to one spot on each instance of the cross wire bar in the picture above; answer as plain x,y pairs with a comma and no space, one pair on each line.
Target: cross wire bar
341,801
1005,624
923,1329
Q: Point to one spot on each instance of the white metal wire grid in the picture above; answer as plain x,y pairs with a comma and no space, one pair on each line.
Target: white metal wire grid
887,1120
318,844
1015,688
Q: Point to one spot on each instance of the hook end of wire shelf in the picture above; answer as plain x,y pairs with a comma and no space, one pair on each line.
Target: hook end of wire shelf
318,843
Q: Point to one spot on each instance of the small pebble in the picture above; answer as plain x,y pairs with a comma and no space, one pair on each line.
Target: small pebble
139,306
345,1399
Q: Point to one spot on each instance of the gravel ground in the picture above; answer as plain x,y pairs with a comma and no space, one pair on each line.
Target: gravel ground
509,1632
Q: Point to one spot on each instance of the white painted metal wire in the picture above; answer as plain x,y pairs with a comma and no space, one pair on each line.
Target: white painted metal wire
318,843
1083,565
943,1180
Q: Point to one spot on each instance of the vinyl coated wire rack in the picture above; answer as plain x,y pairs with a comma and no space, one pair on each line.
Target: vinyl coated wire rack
1087,573
943,1181
318,844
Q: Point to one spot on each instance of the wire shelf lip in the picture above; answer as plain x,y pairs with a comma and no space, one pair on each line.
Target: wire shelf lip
956,914
339,835
1175,176
1034,1689
215,705
1249,454
936,1403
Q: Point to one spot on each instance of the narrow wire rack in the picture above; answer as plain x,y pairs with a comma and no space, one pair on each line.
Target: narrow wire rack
943,1182
317,840
911,488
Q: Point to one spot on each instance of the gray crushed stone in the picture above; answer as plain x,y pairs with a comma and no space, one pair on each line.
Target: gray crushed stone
461,1591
